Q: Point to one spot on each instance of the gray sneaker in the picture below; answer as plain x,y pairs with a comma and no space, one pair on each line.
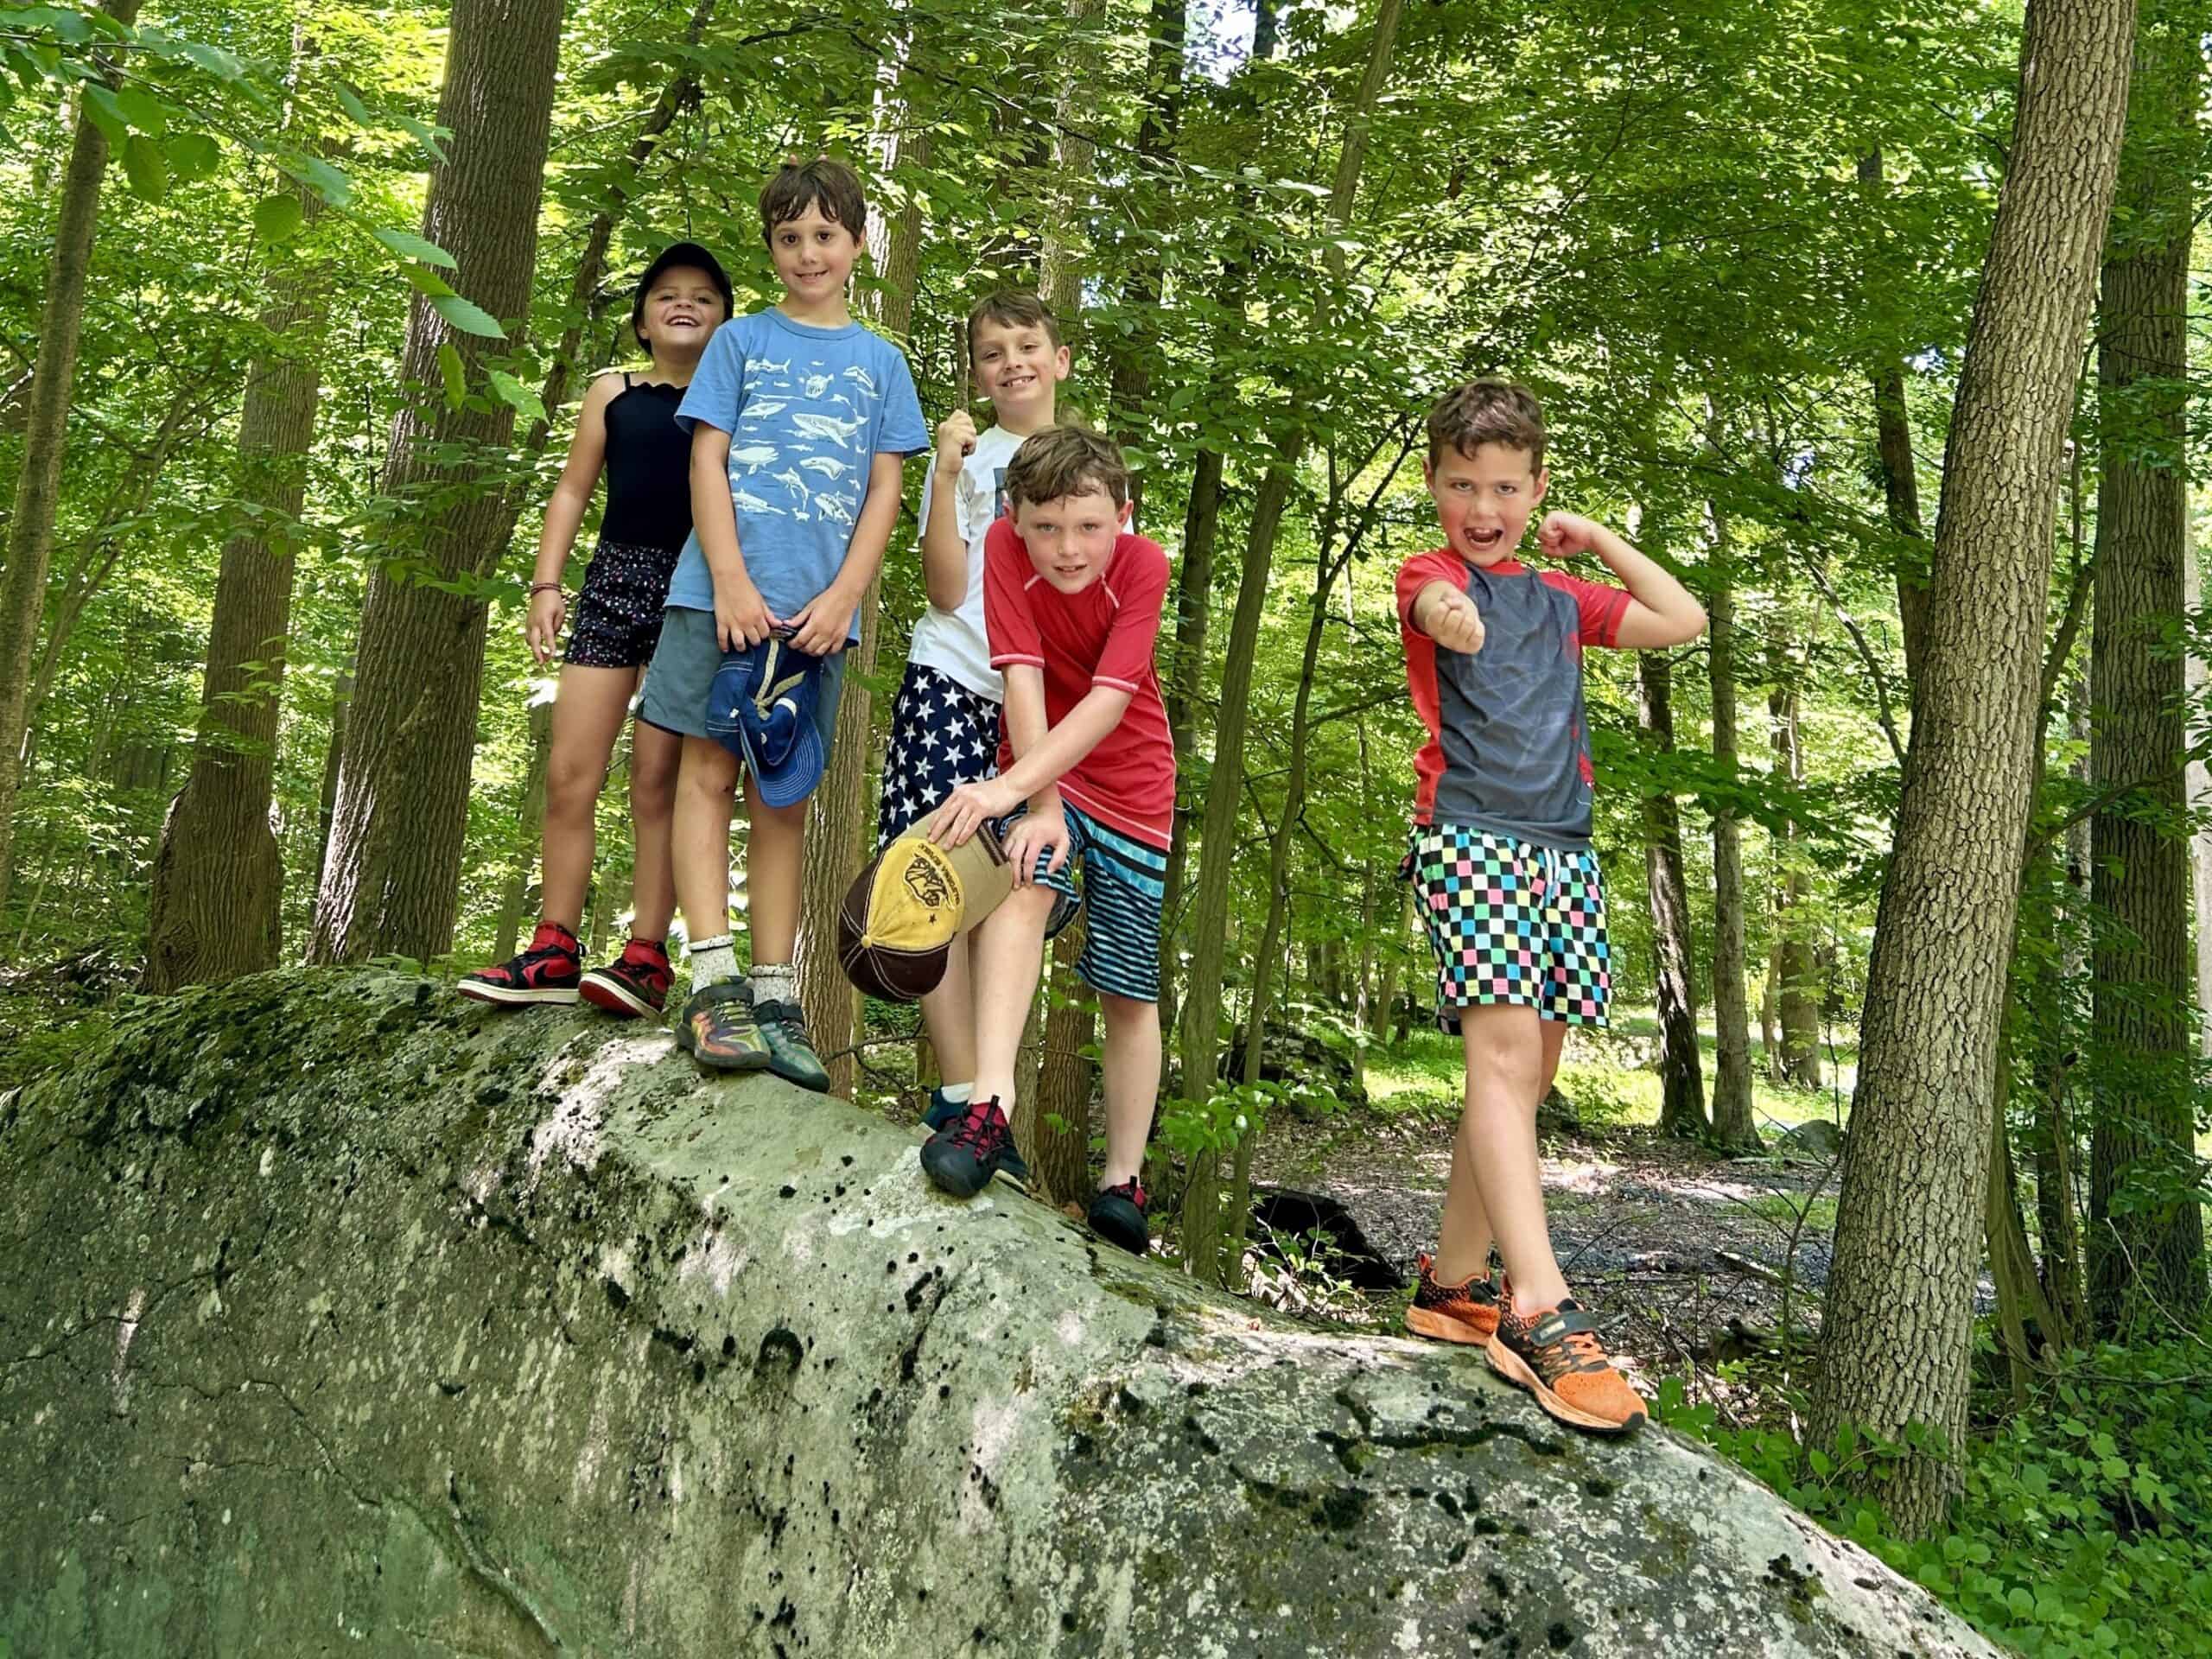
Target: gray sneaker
791,1053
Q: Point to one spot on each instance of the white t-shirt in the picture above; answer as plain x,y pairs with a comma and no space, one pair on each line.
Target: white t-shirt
953,642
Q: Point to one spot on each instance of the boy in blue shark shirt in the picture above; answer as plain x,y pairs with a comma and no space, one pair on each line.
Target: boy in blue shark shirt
800,421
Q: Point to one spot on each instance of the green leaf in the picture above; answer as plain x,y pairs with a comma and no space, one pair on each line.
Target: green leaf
322,177
467,316
429,137
144,166
407,245
104,112
426,283
449,371
217,62
71,26
193,156
277,219
515,395
356,110
145,112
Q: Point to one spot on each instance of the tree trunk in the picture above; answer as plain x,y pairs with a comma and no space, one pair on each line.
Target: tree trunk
389,885
1681,1076
1185,679
1224,788
2143,1138
1052,1121
1899,1306
613,1335
1796,965
217,906
1734,1125
2200,801
46,433
1386,998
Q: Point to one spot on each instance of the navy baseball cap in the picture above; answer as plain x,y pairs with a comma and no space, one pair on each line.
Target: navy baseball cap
762,708
689,255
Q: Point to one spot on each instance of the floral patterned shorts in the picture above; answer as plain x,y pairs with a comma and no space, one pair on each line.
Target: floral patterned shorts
617,620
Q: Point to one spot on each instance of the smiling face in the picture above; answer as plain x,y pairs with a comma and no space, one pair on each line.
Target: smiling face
1484,501
1070,538
814,257
1018,368
681,309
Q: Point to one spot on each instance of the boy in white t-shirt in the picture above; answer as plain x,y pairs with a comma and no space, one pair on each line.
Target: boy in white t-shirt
945,724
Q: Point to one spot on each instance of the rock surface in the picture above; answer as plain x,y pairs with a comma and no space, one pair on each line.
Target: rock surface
340,1316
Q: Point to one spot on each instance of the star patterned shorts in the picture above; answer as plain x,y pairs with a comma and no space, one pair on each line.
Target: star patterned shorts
617,620
942,736
1511,922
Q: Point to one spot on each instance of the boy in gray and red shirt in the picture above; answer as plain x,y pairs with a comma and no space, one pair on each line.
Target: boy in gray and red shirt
1502,865
1086,779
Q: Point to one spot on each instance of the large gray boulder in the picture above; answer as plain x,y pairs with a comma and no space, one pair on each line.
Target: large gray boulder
337,1316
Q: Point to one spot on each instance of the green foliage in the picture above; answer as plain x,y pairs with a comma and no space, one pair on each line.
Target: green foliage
2083,1525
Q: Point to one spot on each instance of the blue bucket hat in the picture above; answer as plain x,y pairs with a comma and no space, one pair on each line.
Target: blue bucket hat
762,708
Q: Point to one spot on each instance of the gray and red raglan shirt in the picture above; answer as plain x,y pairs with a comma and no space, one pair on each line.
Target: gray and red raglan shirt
1507,748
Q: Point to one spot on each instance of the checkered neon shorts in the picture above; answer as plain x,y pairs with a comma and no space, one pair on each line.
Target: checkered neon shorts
1511,922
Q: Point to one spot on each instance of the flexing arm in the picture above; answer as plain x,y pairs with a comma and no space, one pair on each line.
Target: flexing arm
944,553
1660,611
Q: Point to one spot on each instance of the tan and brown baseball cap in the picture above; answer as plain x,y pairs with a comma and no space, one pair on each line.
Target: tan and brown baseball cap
909,903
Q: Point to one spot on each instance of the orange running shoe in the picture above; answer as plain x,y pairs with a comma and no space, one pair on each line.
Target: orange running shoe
1466,1313
1556,1356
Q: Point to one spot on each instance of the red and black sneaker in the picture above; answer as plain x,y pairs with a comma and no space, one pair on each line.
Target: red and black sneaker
634,985
963,1157
1117,1215
547,972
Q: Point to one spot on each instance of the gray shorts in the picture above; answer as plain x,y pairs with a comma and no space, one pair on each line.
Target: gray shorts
682,672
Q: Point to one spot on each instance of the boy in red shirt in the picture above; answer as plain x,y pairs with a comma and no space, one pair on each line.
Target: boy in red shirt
1072,604
1502,864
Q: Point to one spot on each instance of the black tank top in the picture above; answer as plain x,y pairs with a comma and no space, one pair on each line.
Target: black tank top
648,468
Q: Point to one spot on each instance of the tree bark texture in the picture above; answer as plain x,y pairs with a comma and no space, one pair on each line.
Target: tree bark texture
1900,1299
389,882
46,433
838,828
1185,680
1900,482
1682,1075
2143,1136
1734,1124
216,908
2200,800
495,1336
1052,1124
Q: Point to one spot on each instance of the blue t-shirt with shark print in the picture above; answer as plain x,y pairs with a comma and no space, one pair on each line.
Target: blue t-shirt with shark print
806,410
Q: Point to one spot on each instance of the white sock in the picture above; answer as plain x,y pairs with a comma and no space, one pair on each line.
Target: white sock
956,1092
774,983
711,961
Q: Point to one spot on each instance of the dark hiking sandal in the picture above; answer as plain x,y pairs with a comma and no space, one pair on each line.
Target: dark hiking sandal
718,1027
1464,1313
791,1052
547,972
1556,1356
1117,1215
634,985
963,1159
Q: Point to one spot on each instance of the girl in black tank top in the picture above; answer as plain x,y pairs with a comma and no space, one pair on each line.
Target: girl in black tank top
627,429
